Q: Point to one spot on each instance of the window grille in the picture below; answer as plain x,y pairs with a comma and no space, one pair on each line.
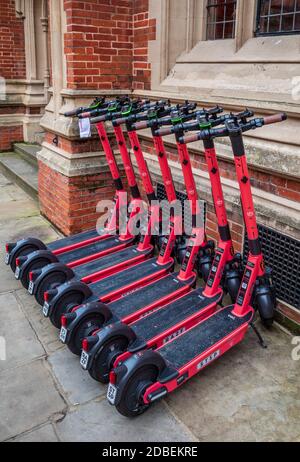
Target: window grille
221,18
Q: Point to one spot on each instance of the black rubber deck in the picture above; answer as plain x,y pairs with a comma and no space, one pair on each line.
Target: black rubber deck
108,261
73,239
172,314
126,277
91,249
146,295
198,339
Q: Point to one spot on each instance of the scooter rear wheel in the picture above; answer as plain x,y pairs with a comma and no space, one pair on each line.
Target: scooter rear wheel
131,403
109,351
65,305
86,328
37,264
49,282
22,252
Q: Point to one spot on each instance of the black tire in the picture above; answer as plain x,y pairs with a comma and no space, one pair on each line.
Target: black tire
266,305
87,326
102,363
39,263
22,252
65,305
233,287
51,281
131,404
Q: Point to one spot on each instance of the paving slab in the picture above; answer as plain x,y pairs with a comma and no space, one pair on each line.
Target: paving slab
98,421
245,395
30,399
22,344
44,434
34,226
44,330
20,209
76,383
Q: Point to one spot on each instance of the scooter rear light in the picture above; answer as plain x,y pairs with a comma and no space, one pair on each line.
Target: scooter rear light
18,262
112,377
64,321
46,296
7,248
85,345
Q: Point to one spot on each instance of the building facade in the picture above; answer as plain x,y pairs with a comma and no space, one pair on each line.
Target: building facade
56,55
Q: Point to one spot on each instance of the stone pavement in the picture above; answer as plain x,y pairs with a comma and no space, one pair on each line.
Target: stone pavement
250,394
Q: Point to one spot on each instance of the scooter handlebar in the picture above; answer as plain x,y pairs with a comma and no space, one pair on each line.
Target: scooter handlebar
140,125
164,131
73,113
190,138
85,115
120,121
96,120
273,119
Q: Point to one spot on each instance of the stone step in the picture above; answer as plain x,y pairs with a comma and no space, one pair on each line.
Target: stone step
20,171
28,151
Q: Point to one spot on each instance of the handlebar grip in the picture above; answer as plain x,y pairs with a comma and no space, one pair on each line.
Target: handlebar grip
85,115
120,121
141,125
72,113
95,120
190,138
164,131
275,118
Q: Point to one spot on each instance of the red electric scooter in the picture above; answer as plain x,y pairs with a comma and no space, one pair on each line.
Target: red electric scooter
149,375
155,329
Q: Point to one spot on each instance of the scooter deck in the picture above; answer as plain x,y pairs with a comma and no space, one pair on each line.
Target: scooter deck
108,261
89,250
173,313
126,277
200,338
146,295
67,241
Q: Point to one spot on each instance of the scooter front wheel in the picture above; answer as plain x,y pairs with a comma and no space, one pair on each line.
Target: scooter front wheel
131,402
104,359
86,328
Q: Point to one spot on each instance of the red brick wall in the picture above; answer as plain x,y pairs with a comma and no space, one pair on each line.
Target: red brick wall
10,135
106,45
98,44
12,51
70,203
144,30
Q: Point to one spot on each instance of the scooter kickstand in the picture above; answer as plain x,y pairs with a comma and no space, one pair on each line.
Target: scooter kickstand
258,334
